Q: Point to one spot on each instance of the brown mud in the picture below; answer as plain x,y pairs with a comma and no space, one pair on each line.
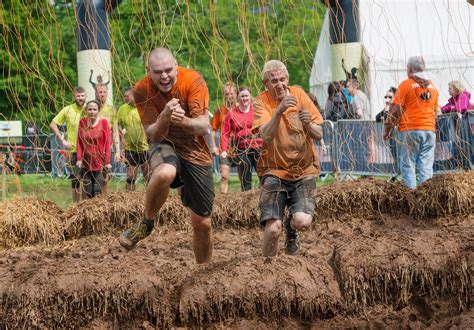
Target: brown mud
378,268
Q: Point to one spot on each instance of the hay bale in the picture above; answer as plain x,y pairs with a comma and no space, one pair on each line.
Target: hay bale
285,287
443,195
236,210
364,197
29,220
104,214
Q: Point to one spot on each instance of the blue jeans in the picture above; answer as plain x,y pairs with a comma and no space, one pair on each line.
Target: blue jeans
416,156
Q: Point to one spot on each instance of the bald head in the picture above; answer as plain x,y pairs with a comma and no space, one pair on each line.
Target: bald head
160,54
163,69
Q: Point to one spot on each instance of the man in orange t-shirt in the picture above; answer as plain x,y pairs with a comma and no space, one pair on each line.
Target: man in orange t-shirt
414,111
288,122
217,123
173,105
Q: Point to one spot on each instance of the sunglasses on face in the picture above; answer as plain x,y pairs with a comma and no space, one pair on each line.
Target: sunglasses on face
388,97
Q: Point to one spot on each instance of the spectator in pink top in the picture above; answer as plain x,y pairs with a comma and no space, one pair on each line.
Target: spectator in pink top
93,149
238,124
459,100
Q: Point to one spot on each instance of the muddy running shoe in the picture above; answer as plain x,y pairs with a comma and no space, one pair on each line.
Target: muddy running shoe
292,240
132,236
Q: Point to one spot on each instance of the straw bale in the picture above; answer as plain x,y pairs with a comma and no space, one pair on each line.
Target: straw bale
104,214
363,197
29,220
443,195
236,210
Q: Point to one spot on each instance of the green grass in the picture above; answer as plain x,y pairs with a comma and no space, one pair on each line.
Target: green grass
58,190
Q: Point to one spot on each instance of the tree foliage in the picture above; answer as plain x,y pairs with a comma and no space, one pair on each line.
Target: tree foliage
223,40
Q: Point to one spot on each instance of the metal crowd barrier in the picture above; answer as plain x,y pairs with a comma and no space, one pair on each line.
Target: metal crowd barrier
327,155
352,147
361,150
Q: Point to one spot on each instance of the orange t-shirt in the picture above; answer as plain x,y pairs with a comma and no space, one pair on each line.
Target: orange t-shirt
419,105
217,122
191,90
291,155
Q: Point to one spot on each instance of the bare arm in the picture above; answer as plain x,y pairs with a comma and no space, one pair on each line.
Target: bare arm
214,149
59,136
268,131
196,126
314,131
393,116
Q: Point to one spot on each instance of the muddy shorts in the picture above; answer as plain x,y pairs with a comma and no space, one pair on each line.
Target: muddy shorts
196,181
276,194
136,158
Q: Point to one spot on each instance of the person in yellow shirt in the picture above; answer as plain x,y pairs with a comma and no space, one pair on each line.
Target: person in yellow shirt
133,139
71,115
108,112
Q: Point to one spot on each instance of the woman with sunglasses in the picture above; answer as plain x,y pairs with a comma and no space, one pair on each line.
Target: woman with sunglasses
389,95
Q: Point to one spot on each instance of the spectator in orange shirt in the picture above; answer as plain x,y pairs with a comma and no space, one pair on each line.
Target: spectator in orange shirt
288,122
414,111
173,105
217,124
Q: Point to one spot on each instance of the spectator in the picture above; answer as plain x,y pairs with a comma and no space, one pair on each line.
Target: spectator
108,112
238,124
389,95
71,115
414,111
133,140
359,102
459,100
382,117
217,123
289,123
337,106
93,149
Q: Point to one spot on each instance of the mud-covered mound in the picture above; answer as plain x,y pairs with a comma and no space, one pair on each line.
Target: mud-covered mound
345,269
443,195
29,220
365,196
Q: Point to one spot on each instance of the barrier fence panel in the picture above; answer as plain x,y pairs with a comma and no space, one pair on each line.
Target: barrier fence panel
361,150
327,155
467,135
449,151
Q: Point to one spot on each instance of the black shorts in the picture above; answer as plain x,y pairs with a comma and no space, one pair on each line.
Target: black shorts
276,194
197,182
136,158
75,172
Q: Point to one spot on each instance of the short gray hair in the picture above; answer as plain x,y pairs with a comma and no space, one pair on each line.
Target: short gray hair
273,65
416,64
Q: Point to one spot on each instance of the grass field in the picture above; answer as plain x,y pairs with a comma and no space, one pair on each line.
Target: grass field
58,190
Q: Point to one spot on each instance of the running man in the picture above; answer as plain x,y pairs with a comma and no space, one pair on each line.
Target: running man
288,166
173,105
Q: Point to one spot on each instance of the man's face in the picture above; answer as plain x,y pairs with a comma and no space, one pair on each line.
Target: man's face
129,98
163,72
350,88
101,94
230,95
277,84
79,99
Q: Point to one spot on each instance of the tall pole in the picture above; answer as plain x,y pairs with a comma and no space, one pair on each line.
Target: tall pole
94,63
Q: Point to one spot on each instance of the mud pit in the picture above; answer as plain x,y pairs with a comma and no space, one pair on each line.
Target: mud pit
378,269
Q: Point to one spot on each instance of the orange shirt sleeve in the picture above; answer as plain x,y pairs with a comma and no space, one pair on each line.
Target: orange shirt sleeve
401,94
216,122
198,97
308,105
261,114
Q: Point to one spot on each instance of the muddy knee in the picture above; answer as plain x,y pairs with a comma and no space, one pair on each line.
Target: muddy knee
202,225
165,174
273,228
301,221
